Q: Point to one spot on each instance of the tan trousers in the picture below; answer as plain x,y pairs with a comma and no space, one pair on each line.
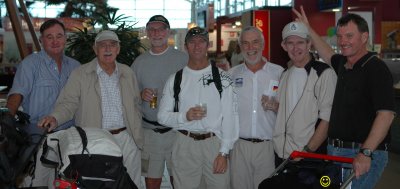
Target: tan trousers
251,163
131,155
193,161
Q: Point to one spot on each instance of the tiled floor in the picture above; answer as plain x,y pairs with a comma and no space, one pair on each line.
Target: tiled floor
390,178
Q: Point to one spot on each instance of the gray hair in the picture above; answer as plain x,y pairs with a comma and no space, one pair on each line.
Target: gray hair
252,29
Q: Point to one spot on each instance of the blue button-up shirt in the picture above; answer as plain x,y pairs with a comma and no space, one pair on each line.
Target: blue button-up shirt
39,81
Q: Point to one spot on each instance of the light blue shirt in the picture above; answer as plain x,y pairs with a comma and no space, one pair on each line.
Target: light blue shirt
39,82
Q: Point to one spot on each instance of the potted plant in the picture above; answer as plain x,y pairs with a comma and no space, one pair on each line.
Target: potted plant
80,43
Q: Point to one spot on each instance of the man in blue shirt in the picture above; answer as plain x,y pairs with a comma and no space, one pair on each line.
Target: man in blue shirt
39,79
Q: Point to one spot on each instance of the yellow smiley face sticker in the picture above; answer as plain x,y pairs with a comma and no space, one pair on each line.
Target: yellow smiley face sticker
325,181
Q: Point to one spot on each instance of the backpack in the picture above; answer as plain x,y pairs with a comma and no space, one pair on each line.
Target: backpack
88,157
13,143
178,79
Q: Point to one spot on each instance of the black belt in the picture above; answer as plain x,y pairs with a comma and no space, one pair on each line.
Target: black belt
152,122
162,130
197,136
352,145
117,131
157,130
254,140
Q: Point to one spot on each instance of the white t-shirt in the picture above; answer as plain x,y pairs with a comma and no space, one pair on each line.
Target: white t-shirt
296,82
197,86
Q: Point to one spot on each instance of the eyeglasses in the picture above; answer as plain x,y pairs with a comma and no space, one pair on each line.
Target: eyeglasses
154,30
104,45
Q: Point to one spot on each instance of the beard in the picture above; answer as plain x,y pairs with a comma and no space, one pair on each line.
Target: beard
159,42
255,61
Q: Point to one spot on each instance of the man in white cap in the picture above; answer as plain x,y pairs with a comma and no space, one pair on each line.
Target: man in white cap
305,96
104,94
152,69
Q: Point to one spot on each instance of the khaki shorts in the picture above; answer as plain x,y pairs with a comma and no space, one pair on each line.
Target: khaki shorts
156,153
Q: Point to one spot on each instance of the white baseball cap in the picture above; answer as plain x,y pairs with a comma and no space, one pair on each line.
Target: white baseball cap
106,35
295,28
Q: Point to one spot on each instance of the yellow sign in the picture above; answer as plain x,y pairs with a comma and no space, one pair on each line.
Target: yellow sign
325,181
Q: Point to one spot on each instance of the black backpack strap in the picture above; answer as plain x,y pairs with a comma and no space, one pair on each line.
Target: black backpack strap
43,158
319,67
177,88
217,79
178,80
82,133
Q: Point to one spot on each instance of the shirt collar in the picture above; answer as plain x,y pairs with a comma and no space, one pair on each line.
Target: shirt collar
48,59
361,62
161,53
100,70
264,68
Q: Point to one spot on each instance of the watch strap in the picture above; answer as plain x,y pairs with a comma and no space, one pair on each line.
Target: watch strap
366,152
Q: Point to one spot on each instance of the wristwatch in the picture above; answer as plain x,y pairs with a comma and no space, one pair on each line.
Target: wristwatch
223,154
307,149
366,152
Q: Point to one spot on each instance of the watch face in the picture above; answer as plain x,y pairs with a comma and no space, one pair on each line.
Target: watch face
366,152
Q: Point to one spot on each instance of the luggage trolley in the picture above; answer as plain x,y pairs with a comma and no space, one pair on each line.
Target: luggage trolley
311,172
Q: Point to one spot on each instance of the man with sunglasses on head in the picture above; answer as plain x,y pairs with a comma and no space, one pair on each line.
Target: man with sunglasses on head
104,94
205,135
152,69
39,79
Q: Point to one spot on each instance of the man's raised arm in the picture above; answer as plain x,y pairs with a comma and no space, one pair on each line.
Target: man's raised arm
324,50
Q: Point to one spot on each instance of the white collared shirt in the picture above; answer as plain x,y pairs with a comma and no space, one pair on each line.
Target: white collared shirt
254,122
111,104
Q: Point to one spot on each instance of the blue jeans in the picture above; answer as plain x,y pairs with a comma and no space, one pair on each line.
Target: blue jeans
369,179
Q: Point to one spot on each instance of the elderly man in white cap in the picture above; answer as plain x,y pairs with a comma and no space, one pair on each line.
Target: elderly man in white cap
305,96
104,94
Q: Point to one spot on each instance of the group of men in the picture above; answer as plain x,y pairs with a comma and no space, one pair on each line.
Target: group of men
214,128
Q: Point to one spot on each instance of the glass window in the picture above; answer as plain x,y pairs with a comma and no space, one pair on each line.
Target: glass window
176,11
260,3
248,4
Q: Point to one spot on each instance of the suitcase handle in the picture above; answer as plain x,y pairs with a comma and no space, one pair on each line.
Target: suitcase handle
297,154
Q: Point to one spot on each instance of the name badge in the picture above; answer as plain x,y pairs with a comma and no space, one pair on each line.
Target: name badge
238,82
